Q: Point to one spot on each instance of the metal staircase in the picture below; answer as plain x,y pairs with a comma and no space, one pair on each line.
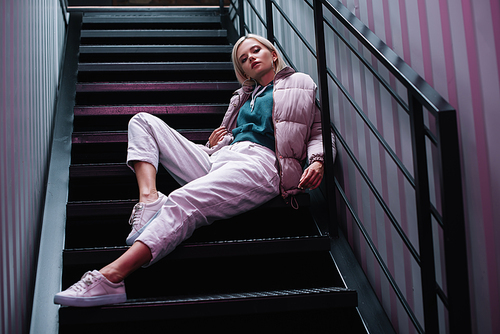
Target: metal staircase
268,270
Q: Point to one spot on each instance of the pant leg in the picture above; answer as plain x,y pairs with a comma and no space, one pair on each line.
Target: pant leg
243,177
152,140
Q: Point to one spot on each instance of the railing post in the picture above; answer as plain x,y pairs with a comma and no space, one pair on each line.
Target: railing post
269,21
325,117
457,274
241,14
427,267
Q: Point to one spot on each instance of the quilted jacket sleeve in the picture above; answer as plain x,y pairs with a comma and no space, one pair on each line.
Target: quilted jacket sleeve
315,145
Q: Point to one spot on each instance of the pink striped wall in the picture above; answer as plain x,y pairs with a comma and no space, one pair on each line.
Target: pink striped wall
31,40
455,46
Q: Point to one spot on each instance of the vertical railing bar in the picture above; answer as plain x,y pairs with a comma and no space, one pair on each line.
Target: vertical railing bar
427,272
223,14
457,281
269,21
241,14
325,118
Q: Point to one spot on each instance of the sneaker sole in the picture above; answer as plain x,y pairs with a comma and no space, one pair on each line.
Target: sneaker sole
90,301
130,240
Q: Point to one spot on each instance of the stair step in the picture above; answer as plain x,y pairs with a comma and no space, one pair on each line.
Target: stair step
99,137
124,207
106,49
155,66
99,170
153,33
154,110
215,249
156,18
262,223
102,137
212,305
145,52
101,87
96,11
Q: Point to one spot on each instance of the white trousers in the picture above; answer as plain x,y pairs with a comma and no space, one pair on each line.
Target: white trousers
233,180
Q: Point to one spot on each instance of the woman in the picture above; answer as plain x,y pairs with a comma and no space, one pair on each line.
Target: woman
271,126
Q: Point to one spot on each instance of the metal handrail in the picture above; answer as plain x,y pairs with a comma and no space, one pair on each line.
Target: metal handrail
420,95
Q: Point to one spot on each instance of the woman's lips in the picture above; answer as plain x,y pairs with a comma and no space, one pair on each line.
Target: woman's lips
255,64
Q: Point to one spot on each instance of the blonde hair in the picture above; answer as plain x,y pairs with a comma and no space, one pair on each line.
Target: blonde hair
279,64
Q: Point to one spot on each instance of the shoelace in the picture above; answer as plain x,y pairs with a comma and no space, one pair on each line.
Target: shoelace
136,212
86,280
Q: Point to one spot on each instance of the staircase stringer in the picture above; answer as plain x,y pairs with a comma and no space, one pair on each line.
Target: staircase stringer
44,317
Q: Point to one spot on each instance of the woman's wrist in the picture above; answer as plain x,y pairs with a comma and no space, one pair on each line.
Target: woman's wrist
316,158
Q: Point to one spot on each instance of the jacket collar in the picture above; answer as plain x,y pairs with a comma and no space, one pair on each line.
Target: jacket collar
284,73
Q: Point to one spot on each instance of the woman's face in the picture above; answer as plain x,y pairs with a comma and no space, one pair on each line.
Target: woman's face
256,61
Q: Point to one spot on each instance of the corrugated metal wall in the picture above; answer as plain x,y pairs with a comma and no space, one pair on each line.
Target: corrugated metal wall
31,42
454,46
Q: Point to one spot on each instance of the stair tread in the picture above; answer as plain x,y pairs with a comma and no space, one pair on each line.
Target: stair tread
212,305
93,110
153,33
155,49
93,137
103,169
208,249
145,11
156,66
99,170
111,207
154,86
150,19
96,137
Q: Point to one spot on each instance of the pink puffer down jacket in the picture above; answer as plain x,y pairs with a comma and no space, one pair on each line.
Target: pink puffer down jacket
297,125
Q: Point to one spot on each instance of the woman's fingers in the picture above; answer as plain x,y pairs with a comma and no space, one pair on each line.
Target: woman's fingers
217,135
312,176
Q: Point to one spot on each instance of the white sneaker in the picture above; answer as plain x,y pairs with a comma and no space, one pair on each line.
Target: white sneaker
142,215
92,290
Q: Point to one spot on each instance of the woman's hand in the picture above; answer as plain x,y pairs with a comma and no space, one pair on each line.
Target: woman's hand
312,176
217,136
